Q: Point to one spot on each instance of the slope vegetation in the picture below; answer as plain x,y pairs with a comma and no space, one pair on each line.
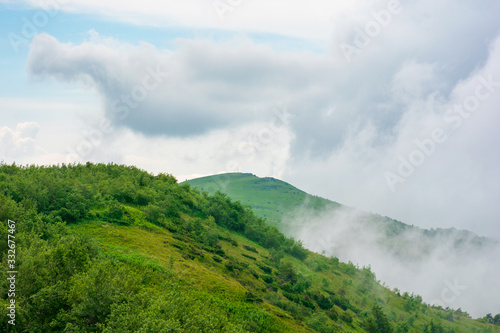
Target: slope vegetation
291,210
109,248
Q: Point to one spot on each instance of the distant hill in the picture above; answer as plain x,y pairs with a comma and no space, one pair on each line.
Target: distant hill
403,256
269,198
289,208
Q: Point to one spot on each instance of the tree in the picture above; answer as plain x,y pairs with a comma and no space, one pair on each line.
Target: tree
115,212
379,322
433,328
153,214
402,328
287,273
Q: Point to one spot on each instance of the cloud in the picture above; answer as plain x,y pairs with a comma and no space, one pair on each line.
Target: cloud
452,182
259,147
199,87
230,77
19,142
413,260
291,18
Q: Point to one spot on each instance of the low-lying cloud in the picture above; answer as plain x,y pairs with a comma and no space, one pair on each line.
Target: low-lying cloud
450,268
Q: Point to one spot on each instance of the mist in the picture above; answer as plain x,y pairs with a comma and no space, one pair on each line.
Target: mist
447,267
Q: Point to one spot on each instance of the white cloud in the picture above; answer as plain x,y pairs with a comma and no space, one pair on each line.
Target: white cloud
19,142
457,182
415,261
291,18
152,91
261,148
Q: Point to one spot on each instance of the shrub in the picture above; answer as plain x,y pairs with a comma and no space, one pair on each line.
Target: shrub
267,279
154,214
249,257
321,323
250,248
347,316
265,269
287,273
115,212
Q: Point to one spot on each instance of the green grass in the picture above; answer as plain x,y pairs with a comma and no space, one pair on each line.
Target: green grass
269,198
145,248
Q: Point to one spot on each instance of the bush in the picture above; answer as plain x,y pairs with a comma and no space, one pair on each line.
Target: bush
287,273
154,214
250,248
323,302
250,297
347,316
333,314
144,197
229,265
321,323
298,251
267,279
249,257
115,212
265,269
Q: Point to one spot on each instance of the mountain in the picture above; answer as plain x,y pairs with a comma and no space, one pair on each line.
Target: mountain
403,256
269,198
285,206
111,248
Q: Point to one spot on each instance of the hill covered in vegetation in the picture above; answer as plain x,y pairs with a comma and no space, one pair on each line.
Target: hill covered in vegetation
109,248
291,209
271,199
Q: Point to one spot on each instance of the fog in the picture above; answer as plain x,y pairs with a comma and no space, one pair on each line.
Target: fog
447,267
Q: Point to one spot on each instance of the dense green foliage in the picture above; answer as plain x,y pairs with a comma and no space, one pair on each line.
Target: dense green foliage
108,248
490,319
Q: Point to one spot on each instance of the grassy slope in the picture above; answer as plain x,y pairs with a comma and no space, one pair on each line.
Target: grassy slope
155,248
146,244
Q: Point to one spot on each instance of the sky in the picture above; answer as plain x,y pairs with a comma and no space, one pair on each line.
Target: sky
391,107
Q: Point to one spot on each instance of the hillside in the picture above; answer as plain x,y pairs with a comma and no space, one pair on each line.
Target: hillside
291,209
270,198
108,248
403,256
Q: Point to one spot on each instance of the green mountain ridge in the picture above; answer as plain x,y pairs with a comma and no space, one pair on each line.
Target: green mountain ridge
282,205
110,248
270,198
